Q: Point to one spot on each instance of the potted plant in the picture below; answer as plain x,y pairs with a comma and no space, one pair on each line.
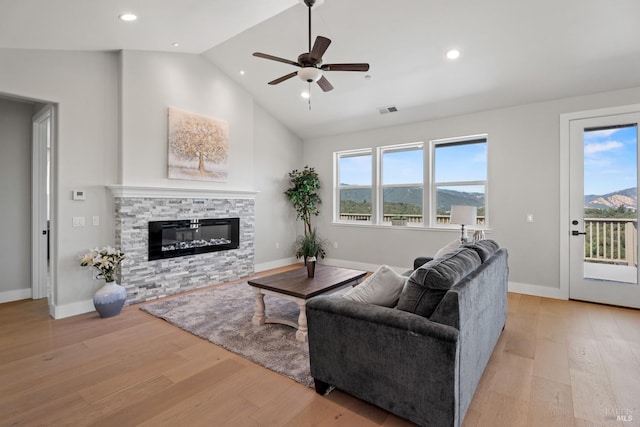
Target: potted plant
303,195
109,299
310,247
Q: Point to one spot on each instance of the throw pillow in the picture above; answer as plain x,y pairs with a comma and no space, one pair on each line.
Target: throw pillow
448,248
383,288
427,285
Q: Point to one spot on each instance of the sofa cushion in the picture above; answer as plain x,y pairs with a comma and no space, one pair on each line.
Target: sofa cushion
484,248
427,285
447,248
383,288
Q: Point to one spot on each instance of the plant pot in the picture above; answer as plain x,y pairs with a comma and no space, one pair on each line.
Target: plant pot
109,299
311,267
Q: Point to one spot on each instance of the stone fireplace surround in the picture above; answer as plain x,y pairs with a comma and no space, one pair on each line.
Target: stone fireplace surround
145,280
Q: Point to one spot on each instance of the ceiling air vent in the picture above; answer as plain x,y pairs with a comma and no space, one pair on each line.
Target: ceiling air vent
389,109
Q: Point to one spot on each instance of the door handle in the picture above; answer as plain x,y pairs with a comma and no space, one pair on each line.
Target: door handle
576,233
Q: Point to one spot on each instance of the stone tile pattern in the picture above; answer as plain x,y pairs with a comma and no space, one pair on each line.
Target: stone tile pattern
146,280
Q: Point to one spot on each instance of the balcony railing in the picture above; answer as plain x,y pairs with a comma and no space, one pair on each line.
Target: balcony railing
611,241
607,240
411,219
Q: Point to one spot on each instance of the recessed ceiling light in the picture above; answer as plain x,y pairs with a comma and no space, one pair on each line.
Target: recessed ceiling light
242,72
367,77
175,44
305,94
128,17
453,54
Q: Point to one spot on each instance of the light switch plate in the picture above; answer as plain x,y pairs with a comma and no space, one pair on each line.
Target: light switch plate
78,221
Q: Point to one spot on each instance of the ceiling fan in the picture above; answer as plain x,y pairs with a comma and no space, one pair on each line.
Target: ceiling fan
310,63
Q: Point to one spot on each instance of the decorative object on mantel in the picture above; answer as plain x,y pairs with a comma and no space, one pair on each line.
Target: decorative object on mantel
198,147
109,299
463,215
303,195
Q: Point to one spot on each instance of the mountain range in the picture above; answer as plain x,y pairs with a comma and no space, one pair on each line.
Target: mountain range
413,196
627,198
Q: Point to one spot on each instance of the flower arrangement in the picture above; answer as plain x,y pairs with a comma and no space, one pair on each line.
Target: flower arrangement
106,260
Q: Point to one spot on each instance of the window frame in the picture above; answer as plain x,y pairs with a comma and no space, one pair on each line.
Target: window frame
429,185
465,140
337,187
380,186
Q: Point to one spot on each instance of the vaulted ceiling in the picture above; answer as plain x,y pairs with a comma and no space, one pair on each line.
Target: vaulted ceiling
512,52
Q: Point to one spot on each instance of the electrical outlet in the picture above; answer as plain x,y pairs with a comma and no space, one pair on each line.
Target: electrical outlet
529,217
96,220
78,221
277,245
335,245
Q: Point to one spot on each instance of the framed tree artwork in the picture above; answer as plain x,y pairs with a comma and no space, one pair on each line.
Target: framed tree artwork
198,147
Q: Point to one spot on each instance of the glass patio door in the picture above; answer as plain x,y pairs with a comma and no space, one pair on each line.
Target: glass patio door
604,211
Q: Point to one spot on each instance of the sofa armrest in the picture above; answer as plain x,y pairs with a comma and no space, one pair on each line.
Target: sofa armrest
393,359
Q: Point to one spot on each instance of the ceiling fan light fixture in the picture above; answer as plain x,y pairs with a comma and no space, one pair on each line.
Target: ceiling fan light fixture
310,74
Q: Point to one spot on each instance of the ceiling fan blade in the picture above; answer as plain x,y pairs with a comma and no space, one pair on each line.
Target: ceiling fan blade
283,78
324,84
319,48
275,58
345,67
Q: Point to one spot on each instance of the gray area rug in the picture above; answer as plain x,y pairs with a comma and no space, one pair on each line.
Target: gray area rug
223,316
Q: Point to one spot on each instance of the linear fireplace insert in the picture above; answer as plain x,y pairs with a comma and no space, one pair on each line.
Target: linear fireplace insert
169,239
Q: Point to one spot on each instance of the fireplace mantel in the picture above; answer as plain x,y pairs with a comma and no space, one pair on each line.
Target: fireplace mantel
129,191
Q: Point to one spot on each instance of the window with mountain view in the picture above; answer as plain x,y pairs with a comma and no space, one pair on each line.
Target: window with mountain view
389,183
402,182
459,176
354,178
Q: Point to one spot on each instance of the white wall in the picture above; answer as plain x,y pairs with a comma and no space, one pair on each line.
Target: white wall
524,177
262,151
92,91
152,82
84,87
15,194
277,152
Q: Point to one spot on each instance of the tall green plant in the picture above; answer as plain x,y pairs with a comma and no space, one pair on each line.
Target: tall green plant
303,195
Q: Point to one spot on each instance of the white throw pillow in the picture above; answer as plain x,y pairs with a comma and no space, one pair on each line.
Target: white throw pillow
449,247
383,288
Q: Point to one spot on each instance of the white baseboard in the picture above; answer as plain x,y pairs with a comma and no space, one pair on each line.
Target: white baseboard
274,264
17,295
537,290
72,309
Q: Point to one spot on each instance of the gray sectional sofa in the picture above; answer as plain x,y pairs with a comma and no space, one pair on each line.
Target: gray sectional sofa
422,359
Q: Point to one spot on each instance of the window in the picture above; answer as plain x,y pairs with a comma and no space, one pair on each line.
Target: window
374,187
459,177
402,182
354,189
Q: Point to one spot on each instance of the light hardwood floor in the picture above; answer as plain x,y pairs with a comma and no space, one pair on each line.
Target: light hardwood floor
557,363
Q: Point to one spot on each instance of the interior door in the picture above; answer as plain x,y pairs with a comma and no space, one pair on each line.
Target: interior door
42,134
603,209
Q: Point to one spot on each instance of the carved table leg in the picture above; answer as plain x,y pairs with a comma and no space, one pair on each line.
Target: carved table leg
302,332
258,315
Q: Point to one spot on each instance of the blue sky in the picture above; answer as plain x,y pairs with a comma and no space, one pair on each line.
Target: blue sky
610,160
455,163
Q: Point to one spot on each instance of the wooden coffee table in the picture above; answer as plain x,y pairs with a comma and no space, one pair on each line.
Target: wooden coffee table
294,285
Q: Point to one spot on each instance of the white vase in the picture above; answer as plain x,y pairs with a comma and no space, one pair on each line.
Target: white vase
109,299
